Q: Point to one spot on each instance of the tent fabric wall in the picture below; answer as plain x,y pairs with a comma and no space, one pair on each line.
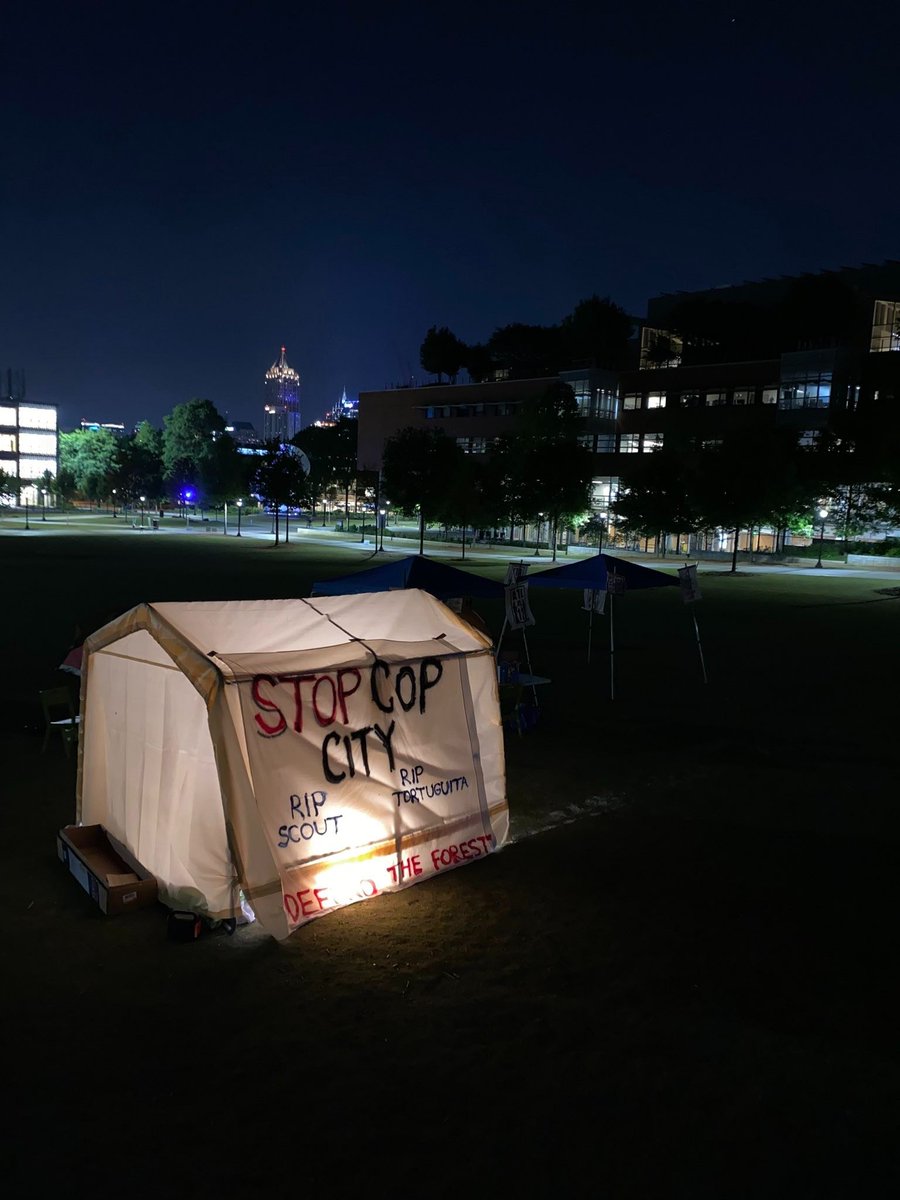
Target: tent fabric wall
147,739
179,759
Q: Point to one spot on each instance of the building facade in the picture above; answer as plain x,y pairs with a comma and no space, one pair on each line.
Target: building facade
281,410
29,439
800,353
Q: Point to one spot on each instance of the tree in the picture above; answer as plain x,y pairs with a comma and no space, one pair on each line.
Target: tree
658,494
478,362
597,331
188,441
417,467
331,450
140,470
225,474
542,471
9,485
280,479
734,493
91,456
442,353
527,351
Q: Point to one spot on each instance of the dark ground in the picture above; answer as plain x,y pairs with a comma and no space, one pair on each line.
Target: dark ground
689,989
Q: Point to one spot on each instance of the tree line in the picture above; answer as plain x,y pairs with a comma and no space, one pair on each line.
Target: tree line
596,332
194,459
766,479
537,473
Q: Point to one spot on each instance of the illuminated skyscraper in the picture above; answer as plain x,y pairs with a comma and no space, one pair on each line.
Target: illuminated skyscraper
345,408
281,416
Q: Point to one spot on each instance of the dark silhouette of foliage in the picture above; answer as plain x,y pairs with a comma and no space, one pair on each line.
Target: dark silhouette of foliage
597,333
478,362
417,468
442,353
527,351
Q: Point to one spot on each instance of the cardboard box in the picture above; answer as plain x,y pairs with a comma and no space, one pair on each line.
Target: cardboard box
110,875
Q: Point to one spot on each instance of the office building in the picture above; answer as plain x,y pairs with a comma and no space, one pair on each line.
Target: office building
281,411
804,353
29,442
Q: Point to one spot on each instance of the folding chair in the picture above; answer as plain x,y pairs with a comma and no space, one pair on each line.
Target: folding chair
59,713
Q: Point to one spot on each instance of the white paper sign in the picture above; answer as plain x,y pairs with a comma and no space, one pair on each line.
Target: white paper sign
690,588
594,601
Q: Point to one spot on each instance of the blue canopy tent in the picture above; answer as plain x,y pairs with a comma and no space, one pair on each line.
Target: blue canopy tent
414,571
592,573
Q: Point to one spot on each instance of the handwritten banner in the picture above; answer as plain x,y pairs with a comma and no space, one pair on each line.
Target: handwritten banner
368,777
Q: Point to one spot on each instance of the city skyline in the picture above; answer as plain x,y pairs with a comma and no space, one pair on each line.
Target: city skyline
311,180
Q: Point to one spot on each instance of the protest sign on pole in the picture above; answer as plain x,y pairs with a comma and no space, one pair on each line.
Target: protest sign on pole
690,594
594,602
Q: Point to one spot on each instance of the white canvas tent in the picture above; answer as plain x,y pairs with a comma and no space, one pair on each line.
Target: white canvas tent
302,753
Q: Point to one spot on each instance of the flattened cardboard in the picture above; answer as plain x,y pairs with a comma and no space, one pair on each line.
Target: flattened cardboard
106,870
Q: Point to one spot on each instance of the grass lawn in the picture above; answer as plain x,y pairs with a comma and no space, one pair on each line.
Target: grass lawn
678,980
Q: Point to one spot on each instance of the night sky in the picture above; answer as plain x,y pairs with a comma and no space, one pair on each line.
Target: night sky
188,186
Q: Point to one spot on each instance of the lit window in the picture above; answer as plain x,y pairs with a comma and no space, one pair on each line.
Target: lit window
809,437
714,398
8,443
472,445
607,403
770,395
8,416
606,443
32,417
629,443
632,400
586,440
743,396
37,443
656,400
652,442
689,399
808,391
33,468
886,326
582,390
711,443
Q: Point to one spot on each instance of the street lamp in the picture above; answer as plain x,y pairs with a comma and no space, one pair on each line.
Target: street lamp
43,504
240,505
537,544
381,514
143,498
114,501
823,513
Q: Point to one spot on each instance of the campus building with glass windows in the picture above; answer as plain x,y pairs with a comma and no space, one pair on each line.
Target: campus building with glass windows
795,352
29,440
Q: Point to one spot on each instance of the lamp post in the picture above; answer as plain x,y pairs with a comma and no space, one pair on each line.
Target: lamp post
114,501
537,543
27,526
823,513
225,521
143,498
240,505
43,504
381,515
